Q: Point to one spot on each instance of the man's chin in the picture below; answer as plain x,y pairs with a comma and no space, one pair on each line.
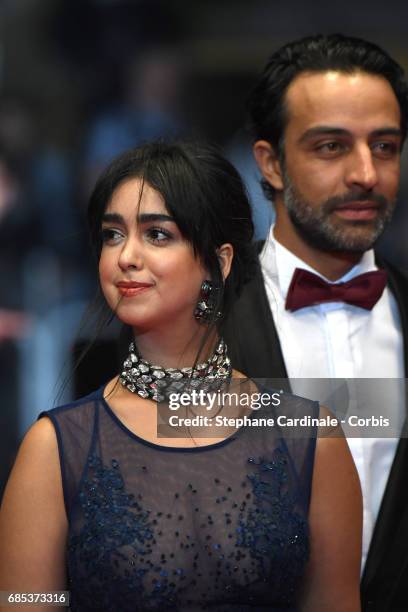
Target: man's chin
356,237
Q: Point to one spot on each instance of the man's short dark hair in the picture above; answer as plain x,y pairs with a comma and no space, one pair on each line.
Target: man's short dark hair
320,53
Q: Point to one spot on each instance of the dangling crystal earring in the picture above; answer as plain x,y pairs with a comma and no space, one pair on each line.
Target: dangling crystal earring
204,311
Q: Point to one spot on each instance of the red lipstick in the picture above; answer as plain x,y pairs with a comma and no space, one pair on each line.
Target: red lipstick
132,288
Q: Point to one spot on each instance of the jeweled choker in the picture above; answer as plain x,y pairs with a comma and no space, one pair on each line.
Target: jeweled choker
156,383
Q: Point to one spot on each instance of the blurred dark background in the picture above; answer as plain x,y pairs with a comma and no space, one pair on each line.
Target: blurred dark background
82,80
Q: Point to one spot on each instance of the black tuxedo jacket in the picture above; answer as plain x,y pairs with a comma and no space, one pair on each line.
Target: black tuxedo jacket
255,350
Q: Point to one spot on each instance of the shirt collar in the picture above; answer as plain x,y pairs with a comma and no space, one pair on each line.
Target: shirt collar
279,264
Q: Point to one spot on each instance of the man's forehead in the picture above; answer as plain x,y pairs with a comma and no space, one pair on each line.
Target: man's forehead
334,97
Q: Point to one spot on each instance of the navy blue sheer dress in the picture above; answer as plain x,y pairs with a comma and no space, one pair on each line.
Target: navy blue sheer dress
222,527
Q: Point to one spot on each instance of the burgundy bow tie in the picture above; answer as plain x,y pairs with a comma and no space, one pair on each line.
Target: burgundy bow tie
308,289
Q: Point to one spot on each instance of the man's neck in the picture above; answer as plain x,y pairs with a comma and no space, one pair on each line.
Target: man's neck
331,264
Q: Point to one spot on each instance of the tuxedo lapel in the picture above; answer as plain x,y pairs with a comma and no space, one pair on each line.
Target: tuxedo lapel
251,335
399,287
387,554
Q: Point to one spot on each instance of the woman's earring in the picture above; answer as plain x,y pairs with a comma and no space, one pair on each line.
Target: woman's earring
204,312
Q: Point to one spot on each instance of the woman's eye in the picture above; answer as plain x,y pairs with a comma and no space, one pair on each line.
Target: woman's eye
158,235
111,236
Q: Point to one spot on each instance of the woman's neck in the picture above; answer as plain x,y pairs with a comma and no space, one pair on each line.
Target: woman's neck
175,350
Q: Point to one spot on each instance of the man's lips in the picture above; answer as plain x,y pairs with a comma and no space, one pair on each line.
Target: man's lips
130,288
358,211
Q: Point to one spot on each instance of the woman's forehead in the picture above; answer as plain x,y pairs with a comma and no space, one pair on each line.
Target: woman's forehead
134,197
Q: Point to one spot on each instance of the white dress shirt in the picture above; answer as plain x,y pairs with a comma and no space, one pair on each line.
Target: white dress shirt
338,340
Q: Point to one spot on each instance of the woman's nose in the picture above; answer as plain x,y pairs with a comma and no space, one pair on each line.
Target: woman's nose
131,255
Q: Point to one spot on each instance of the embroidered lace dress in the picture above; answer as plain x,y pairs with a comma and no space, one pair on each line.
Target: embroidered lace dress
152,528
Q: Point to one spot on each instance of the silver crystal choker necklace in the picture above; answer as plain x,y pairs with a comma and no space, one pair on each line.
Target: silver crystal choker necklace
156,383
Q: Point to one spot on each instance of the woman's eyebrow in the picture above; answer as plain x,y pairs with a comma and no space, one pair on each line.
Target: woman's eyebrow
149,217
113,218
142,218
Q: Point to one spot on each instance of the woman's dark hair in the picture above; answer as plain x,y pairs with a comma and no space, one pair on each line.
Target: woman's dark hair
266,104
203,193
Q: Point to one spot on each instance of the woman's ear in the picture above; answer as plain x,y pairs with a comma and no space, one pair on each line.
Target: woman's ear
268,163
225,254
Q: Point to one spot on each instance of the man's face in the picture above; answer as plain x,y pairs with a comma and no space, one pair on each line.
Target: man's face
341,159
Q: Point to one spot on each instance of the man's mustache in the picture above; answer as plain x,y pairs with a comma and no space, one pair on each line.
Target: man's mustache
355,196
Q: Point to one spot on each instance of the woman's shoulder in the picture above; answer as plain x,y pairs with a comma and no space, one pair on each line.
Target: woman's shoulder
37,460
67,433
41,435
71,422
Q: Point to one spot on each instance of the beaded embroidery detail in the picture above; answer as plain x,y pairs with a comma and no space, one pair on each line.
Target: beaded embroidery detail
248,543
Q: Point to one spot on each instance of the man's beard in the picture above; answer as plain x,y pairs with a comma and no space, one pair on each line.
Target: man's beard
319,227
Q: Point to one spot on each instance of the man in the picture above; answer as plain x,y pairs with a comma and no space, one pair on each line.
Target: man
329,116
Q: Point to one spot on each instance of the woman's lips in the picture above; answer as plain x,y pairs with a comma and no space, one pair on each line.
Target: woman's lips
130,289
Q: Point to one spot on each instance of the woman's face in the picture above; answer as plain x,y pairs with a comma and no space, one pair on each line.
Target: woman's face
148,272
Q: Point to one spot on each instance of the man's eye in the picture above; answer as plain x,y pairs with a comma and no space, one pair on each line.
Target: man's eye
158,235
385,149
111,236
330,148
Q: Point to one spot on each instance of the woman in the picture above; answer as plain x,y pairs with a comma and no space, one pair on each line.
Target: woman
192,520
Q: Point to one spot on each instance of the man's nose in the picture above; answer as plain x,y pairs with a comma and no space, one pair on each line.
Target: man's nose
361,170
